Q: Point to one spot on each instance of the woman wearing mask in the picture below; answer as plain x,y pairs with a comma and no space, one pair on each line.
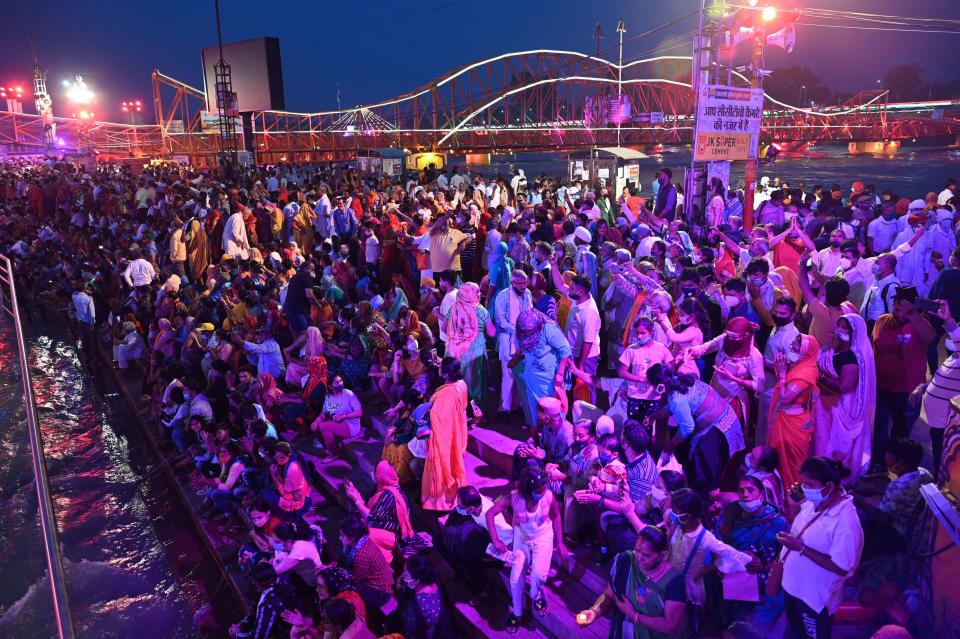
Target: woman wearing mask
848,392
821,550
738,369
645,591
340,418
420,602
751,525
691,544
791,410
642,397
536,530
688,333
577,468
709,432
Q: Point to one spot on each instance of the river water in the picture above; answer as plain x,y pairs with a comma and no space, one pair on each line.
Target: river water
912,173
119,579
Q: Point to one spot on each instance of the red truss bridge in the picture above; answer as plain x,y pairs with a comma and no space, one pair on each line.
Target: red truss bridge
541,100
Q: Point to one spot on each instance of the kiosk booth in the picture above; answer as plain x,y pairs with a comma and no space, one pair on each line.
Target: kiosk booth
611,166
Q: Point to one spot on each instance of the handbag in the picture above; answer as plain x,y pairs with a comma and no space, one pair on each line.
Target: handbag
775,577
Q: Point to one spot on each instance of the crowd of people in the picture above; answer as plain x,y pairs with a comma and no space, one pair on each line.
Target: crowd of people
720,415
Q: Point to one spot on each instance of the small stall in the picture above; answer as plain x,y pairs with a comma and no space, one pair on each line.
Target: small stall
378,163
421,160
612,166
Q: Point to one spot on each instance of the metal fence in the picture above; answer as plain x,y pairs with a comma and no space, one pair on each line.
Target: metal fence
48,522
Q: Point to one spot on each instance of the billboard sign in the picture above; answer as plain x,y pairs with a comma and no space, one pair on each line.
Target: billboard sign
728,123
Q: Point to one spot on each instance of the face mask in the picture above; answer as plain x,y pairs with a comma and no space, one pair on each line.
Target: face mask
844,263
752,505
683,321
657,495
606,458
336,388
410,583
463,511
793,357
758,281
843,337
875,269
538,496
814,495
780,321
835,243
675,518
688,291
732,301
642,341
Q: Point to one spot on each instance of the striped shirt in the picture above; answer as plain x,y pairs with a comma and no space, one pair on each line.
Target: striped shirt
944,386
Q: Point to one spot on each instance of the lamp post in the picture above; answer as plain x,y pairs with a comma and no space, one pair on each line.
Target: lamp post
132,107
82,97
767,14
14,97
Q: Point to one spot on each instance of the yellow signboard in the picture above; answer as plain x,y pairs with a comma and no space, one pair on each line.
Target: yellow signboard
722,146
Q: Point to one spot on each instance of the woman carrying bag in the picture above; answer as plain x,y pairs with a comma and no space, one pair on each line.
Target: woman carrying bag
820,552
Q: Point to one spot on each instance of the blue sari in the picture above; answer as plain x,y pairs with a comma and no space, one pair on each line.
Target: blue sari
501,266
756,533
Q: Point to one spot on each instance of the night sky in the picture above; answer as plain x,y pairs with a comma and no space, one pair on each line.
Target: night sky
377,49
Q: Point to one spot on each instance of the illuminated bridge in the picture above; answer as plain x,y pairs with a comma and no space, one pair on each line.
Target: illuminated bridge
525,101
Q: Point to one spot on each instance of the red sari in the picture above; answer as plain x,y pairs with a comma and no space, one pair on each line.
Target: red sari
792,434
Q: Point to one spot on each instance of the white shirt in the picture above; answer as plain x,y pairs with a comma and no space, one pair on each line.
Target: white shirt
583,325
836,533
139,272
83,305
727,558
372,250
446,305
828,261
883,233
880,297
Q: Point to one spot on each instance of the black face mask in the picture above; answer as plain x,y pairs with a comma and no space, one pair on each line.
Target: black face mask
688,291
781,321
835,243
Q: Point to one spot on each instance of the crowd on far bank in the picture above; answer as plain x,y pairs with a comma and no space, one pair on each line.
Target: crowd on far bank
725,418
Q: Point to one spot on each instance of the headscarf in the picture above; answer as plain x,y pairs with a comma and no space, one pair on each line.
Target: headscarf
501,266
739,348
269,393
399,301
803,372
530,325
790,283
463,325
388,481
857,408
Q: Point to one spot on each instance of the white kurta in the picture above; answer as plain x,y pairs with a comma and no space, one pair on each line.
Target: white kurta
235,243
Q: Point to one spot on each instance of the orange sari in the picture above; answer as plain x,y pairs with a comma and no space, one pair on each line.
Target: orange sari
445,471
791,435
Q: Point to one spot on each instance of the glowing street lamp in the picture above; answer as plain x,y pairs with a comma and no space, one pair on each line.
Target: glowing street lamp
769,14
78,92
14,97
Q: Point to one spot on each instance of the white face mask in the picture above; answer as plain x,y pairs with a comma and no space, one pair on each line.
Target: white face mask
732,301
844,263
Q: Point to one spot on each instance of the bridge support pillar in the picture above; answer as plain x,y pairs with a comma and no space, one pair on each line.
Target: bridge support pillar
886,147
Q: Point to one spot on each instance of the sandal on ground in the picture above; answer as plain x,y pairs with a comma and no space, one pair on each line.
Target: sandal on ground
541,606
513,624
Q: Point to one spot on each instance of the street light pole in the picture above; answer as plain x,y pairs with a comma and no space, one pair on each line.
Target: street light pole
621,29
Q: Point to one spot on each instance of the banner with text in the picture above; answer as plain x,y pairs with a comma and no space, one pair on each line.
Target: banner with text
728,123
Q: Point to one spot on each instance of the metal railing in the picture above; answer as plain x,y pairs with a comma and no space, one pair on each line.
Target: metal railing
48,521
